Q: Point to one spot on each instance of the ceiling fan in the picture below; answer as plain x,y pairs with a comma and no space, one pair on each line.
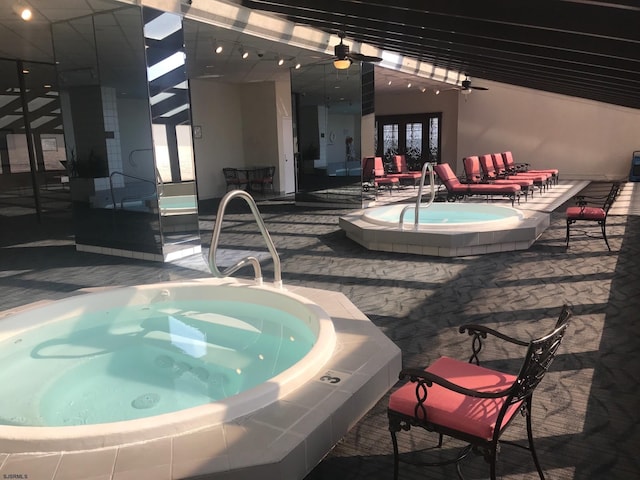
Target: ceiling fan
467,87
344,57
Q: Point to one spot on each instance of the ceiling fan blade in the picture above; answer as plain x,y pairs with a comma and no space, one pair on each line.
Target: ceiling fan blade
358,57
473,87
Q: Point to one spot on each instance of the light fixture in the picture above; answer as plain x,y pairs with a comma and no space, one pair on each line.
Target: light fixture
218,48
465,91
280,61
437,92
23,11
341,51
389,82
342,63
409,85
298,65
244,53
423,89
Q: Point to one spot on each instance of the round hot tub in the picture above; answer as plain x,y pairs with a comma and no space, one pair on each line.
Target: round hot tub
445,216
135,363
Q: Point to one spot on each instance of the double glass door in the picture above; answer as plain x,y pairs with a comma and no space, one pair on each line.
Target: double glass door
418,137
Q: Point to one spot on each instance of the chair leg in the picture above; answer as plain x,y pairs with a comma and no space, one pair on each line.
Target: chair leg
396,455
567,238
532,448
604,234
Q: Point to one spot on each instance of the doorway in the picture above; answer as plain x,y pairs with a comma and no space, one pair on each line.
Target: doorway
417,137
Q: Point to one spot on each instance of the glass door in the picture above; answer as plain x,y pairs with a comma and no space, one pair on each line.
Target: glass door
418,137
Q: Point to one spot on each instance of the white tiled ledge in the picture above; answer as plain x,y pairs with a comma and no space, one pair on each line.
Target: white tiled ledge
284,440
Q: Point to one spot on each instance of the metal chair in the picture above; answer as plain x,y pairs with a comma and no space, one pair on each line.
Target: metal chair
263,178
582,212
233,178
472,403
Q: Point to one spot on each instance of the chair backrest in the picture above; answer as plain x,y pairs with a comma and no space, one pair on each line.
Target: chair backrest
498,162
368,164
538,359
486,163
230,173
378,167
269,172
611,197
472,168
507,158
446,176
400,164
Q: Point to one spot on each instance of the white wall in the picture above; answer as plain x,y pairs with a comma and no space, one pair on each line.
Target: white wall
582,138
428,102
241,126
217,108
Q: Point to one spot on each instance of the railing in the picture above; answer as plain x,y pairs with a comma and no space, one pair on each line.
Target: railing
425,167
124,199
253,261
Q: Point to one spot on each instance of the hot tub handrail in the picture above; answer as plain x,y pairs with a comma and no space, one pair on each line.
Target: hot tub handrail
425,167
215,237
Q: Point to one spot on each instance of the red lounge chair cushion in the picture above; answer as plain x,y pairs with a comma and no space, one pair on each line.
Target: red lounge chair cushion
475,416
507,157
453,185
586,213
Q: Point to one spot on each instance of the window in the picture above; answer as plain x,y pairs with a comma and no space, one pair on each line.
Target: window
415,136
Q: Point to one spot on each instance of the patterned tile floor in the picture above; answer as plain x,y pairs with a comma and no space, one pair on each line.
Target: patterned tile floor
586,416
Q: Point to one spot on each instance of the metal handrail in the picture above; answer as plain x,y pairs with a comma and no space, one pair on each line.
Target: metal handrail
429,166
113,197
215,237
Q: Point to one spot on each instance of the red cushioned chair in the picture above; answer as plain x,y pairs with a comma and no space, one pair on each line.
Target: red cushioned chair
511,166
457,190
470,402
402,173
582,212
540,179
374,175
263,179
474,174
234,179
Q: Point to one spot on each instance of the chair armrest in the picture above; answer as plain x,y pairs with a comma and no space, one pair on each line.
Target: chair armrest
427,379
479,330
584,199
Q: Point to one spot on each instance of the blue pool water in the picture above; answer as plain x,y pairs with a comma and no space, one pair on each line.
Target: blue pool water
132,362
442,214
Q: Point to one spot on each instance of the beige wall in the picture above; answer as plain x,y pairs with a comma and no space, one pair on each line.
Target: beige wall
584,139
217,108
240,127
427,102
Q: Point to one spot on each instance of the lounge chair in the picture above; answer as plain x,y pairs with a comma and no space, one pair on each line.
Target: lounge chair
488,163
582,212
402,172
458,190
511,165
474,174
374,175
